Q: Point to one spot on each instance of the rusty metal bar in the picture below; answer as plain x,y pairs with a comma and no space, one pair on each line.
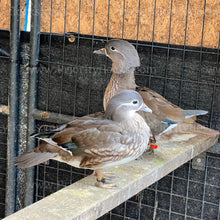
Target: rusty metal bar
51,117
4,109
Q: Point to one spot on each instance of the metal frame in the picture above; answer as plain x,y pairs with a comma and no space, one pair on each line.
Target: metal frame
13,107
16,112
34,53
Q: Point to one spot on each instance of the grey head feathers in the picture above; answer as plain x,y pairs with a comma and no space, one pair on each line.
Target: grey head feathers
123,54
123,105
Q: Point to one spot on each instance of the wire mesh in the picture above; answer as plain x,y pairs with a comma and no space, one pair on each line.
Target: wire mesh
72,82
180,195
4,71
3,162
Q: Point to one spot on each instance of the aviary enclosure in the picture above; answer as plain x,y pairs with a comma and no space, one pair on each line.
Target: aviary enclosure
48,74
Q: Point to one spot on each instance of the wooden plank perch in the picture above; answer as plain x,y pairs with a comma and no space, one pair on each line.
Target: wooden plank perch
82,200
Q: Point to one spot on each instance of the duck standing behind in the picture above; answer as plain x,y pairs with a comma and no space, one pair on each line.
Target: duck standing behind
125,59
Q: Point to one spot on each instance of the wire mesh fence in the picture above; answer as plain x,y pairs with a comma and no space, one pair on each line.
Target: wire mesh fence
72,81
4,70
184,194
3,162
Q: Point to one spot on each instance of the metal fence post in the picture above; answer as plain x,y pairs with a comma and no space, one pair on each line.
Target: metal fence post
34,54
13,107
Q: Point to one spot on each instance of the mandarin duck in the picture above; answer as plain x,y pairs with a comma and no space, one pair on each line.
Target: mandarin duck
108,139
125,59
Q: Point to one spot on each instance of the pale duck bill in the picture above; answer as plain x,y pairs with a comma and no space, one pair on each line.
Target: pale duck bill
145,108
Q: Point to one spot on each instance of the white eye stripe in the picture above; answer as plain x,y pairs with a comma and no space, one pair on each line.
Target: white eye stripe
126,104
130,103
114,49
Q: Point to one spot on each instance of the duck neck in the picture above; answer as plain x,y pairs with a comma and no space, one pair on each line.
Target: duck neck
117,83
136,124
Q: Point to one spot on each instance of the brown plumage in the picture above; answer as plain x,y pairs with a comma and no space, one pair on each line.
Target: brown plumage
112,138
124,60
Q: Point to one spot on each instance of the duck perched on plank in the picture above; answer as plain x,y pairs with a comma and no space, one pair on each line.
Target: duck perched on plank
115,137
125,59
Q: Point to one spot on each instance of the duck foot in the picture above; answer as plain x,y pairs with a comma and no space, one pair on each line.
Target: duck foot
102,180
105,184
107,175
149,151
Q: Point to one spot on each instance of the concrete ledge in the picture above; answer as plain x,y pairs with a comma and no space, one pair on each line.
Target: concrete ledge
83,201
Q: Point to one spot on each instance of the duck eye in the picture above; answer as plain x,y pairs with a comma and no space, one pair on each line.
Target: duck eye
135,102
112,48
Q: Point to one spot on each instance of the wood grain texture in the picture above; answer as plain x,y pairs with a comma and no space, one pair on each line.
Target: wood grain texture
119,19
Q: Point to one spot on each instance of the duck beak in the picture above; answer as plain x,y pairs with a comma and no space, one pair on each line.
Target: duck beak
145,108
101,51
